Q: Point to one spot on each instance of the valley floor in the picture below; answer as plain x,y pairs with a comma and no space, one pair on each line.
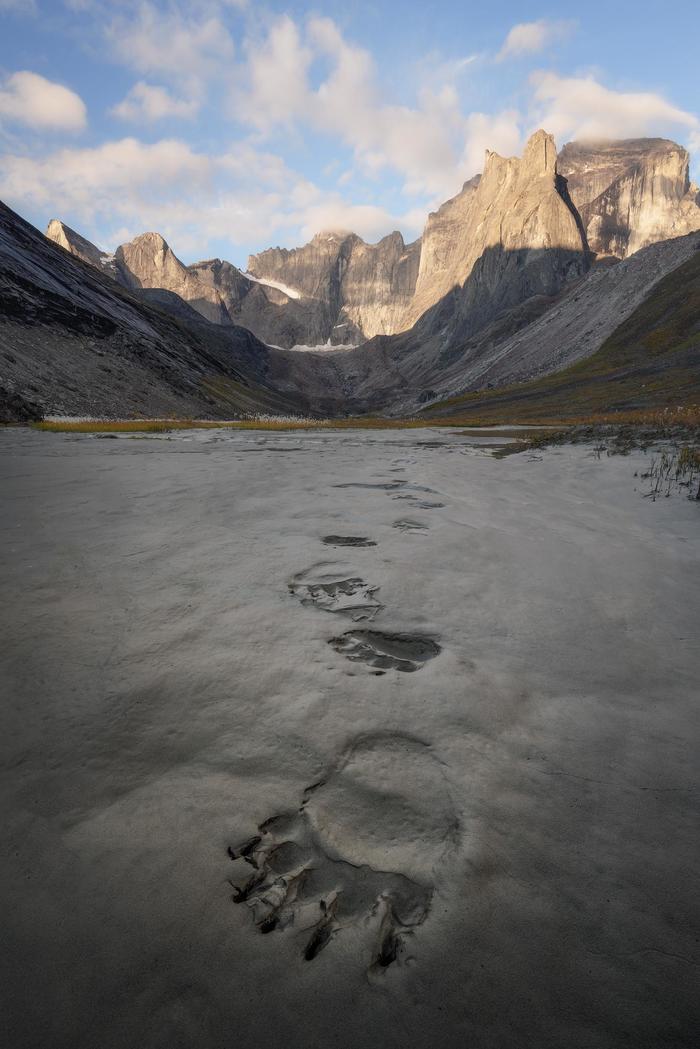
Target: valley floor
477,719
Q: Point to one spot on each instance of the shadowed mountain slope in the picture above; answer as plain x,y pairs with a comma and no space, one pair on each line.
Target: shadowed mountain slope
651,360
503,327
73,341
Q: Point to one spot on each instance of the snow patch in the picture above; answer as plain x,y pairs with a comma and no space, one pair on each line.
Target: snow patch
323,347
291,293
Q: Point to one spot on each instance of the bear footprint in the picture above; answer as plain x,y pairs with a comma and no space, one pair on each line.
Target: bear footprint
334,586
365,848
386,651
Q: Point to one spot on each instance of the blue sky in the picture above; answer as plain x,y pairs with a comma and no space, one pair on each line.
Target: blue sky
231,125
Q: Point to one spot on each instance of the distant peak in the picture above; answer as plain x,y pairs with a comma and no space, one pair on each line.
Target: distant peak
152,239
61,234
57,228
539,156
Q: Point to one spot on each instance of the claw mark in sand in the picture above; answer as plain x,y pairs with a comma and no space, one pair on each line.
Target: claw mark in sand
364,850
405,525
405,652
421,504
387,486
347,540
335,586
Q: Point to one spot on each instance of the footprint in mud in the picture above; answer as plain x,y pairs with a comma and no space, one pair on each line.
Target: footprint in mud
364,850
334,586
386,651
347,540
405,525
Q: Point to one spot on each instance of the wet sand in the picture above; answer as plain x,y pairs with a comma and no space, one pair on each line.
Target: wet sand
346,739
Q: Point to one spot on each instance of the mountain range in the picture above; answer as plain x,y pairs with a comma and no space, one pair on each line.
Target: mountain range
529,269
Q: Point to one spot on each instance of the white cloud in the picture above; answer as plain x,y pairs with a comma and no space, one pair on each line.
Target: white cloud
148,103
30,99
529,38
113,175
277,88
500,133
169,43
580,107
320,80
114,191
367,220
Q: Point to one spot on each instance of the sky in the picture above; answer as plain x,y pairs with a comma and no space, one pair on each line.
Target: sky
230,126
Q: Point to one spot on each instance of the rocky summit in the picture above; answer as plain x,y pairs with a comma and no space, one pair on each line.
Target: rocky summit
631,193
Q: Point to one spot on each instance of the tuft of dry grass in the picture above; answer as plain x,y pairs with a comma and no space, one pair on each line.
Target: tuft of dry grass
687,416
168,425
662,422
674,471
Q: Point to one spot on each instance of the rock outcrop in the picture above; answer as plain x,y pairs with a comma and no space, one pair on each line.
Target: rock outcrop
148,261
518,207
365,288
445,247
278,317
631,193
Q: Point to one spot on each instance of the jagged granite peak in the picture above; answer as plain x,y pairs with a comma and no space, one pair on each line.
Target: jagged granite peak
631,192
366,288
224,279
590,166
148,261
79,246
517,205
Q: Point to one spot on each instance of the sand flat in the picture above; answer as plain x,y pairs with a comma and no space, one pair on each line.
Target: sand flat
498,848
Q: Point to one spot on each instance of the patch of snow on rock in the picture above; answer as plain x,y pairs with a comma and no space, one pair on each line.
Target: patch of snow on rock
292,293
